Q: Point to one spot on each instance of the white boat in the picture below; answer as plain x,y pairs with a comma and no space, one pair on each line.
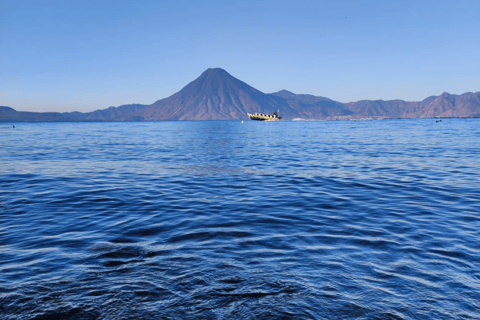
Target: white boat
264,117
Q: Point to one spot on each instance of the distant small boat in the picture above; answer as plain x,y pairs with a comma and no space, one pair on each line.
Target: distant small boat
298,119
264,117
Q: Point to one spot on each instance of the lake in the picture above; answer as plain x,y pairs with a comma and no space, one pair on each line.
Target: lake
231,220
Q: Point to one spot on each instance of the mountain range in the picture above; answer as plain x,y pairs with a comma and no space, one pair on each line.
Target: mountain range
216,95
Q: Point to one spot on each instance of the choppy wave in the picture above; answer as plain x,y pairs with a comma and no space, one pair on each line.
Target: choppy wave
223,220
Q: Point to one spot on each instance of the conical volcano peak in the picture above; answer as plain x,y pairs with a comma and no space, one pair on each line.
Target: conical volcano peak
215,72
214,79
215,75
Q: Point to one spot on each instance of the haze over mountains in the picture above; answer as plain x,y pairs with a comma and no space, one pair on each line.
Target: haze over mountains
216,95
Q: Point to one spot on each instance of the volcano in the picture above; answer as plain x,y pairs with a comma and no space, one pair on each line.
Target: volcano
215,95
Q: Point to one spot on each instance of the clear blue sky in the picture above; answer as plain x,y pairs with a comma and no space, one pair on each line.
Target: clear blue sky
87,55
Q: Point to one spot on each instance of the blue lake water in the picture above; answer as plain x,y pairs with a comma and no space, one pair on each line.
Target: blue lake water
231,220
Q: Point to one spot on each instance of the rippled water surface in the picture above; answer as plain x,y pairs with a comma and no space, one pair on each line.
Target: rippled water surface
224,220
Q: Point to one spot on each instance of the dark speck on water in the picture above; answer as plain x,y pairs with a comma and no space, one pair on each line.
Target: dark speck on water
223,220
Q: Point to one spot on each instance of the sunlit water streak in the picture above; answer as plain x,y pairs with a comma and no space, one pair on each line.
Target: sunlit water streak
224,220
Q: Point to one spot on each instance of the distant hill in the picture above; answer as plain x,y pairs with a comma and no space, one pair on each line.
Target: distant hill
10,114
121,113
216,95
445,105
312,107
